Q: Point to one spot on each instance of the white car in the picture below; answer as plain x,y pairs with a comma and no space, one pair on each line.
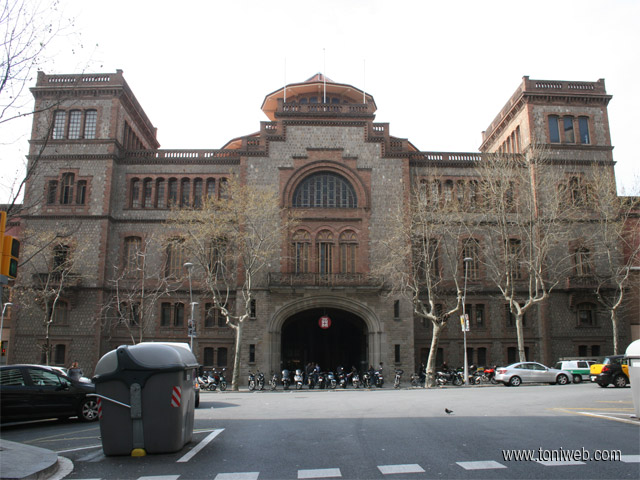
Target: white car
531,372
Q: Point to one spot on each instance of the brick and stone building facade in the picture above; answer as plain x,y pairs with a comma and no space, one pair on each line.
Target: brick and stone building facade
101,173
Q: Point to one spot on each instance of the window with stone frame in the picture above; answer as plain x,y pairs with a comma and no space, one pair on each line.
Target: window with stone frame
147,193
583,261
213,317
178,314
81,192
59,124
175,258
161,200
324,245
348,243
60,312
301,245
586,314
66,188
208,357
554,129
132,256
61,257
90,122
185,192
511,317
515,257
165,314
52,192
75,124
471,250
583,130
222,357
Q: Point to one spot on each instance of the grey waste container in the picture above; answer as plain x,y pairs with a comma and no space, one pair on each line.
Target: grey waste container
146,398
633,354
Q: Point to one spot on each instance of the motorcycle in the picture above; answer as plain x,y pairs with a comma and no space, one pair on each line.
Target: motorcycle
378,379
488,375
321,380
203,382
252,382
396,380
355,380
331,380
212,383
273,383
417,380
298,378
222,382
450,376
366,380
286,381
311,380
342,380
260,380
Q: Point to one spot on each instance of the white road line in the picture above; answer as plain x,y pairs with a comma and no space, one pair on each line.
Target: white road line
559,463
630,458
160,477
611,417
483,465
393,469
92,457
320,473
78,449
238,476
203,443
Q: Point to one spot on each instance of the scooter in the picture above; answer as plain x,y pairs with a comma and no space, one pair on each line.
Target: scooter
396,380
355,380
260,380
273,383
252,382
286,381
222,382
298,378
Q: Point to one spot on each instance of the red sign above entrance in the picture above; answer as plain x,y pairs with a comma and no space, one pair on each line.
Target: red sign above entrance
324,322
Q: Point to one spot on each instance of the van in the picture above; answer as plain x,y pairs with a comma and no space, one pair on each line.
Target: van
580,369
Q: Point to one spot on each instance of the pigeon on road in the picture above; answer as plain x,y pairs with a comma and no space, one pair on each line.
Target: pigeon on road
449,412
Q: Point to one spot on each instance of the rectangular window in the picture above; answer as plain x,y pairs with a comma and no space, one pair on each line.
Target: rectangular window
471,250
209,315
583,126
482,356
569,134
90,119
52,191
325,258
173,191
147,187
595,350
75,122
178,318
160,192
175,258
59,354
252,309
81,192
208,357
480,315
222,357
396,353
252,353
348,258
59,124
582,350
554,131
165,314
396,309
301,257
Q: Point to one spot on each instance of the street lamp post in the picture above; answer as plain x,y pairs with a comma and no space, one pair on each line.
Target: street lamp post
466,261
191,326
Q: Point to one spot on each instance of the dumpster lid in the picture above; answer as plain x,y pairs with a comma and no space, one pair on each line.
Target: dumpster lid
633,350
153,356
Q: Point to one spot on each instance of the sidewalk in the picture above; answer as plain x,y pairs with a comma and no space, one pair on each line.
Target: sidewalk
19,461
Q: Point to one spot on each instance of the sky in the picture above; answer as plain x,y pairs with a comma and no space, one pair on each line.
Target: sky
439,71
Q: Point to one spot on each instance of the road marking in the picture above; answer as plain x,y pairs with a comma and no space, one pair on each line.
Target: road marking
617,419
320,473
92,457
630,458
559,463
238,476
79,448
392,469
483,465
203,443
160,477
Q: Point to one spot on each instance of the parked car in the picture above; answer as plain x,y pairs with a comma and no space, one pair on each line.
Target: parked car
39,392
579,369
613,370
531,372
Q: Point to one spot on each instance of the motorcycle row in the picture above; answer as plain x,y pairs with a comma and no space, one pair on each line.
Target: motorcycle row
447,376
322,380
213,380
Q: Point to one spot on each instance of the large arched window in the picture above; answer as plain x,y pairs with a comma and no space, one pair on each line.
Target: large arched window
325,190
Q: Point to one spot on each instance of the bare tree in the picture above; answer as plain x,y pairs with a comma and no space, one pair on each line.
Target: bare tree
232,241
612,251
523,222
420,258
138,283
52,259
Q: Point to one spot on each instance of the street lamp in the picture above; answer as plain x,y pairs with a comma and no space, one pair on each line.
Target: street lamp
466,261
4,307
191,327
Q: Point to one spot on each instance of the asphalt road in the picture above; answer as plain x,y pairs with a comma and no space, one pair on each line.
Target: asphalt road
394,434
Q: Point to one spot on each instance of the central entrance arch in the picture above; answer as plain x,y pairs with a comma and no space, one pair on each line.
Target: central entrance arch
294,337
344,343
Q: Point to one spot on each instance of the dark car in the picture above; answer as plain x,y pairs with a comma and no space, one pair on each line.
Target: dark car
613,370
30,392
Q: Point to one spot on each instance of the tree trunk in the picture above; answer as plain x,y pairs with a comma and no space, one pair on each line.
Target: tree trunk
614,326
235,385
433,353
520,334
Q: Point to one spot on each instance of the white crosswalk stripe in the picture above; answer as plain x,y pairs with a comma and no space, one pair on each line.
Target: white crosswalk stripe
238,476
320,473
393,469
483,465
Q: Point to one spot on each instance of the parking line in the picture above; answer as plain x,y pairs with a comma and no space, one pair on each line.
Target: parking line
484,465
393,469
320,473
203,443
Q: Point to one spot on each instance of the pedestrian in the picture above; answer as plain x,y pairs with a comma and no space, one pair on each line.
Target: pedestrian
75,372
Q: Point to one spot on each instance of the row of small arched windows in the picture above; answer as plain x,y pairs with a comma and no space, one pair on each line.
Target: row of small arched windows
164,193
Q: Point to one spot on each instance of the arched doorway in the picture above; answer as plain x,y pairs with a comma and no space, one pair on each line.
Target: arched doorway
344,343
